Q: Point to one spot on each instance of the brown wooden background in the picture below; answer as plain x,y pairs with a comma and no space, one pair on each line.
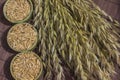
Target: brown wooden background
112,7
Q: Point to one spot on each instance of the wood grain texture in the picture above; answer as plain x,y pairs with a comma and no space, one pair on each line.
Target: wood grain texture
112,7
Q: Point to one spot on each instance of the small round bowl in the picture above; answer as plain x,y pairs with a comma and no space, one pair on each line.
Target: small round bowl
15,12
22,37
26,66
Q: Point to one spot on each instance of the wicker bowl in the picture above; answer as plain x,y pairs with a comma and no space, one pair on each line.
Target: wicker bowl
18,11
22,37
26,66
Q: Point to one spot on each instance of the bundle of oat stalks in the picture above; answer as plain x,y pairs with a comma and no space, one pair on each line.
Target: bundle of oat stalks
79,34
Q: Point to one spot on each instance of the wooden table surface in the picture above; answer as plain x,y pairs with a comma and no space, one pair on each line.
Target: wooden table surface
112,7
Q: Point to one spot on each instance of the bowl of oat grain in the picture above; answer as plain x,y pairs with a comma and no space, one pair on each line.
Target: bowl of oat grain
18,11
22,37
26,66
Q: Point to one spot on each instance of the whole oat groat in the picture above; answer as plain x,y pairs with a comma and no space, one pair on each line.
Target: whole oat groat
18,10
22,37
26,66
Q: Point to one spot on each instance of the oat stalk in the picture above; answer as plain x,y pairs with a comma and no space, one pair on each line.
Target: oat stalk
82,34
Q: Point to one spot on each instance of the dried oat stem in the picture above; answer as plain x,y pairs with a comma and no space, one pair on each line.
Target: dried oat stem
44,22
82,34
